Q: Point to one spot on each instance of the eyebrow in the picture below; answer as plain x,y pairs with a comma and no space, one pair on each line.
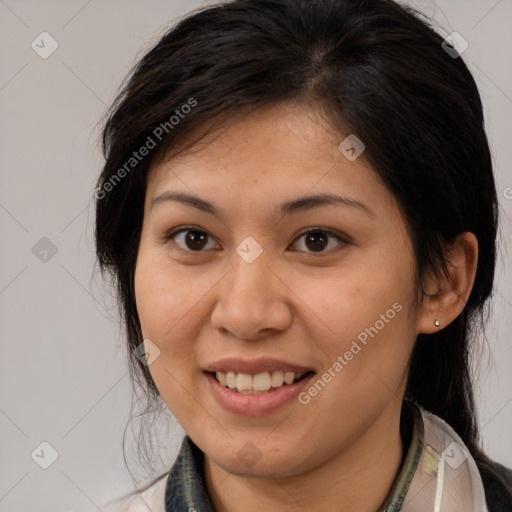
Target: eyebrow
287,208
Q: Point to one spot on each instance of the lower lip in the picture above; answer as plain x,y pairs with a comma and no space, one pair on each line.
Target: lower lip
255,405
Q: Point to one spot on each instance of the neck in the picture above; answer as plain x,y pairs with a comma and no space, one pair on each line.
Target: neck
357,478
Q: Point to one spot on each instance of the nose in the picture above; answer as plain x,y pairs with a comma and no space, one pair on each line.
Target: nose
253,300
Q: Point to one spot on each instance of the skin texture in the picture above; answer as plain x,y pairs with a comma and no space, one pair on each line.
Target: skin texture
341,450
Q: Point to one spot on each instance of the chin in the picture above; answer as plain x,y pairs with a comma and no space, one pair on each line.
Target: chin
252,462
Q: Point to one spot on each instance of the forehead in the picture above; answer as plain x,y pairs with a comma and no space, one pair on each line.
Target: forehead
272,153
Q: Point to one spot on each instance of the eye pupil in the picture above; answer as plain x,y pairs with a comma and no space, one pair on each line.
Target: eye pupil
196,240
316,240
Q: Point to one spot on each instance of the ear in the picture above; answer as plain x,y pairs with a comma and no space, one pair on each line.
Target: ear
447,296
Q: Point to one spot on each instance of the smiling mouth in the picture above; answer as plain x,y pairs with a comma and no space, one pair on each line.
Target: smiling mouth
259,383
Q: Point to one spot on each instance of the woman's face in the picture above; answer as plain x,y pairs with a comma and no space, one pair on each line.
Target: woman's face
244,290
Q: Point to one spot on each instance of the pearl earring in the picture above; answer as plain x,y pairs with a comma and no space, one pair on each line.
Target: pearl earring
436,323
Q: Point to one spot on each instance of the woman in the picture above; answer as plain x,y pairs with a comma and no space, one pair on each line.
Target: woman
299,210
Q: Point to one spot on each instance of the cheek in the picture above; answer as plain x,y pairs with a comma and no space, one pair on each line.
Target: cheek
171,304
164,304
166,295
345,303
361,321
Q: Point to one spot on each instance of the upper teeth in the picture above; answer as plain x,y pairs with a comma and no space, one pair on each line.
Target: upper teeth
253,384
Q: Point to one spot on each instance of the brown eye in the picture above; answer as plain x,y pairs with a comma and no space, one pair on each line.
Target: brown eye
189,239
318,240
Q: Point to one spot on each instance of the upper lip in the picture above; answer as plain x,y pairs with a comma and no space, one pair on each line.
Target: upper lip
254,366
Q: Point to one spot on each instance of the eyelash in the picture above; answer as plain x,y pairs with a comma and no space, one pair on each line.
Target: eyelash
328,232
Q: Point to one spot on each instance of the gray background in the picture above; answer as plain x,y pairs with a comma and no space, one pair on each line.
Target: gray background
63,377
